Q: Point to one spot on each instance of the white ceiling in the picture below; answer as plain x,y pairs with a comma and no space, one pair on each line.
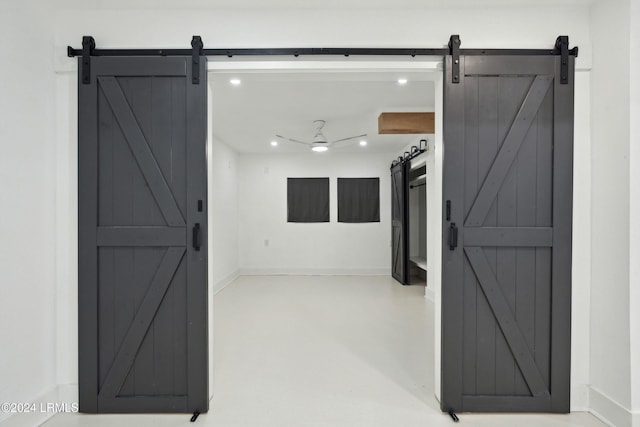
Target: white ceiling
311,4
247,117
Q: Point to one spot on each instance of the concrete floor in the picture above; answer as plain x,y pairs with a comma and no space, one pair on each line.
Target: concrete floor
323,351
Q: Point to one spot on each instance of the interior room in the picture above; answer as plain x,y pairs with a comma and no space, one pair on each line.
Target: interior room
309,323
253,121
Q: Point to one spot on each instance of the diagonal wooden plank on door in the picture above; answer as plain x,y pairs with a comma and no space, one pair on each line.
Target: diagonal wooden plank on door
142,321
141,151
506,321
508,151
396,243
396,195
394,249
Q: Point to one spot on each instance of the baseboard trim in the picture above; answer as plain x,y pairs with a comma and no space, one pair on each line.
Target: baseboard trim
315,272
608,410
62,398
225,281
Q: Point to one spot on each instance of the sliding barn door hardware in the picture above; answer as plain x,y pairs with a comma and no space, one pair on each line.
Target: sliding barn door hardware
88,49
196,53
414,152
197,48
453,415
454,51
562,43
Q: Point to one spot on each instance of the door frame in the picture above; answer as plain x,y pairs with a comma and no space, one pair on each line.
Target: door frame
434,67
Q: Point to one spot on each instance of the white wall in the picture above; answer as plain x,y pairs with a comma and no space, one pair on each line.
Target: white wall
27,199
66,226
315,248
610,392
581,254
634,196
223,211
435,163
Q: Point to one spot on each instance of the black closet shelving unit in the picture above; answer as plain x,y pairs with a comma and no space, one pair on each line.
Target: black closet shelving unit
417,213
403,180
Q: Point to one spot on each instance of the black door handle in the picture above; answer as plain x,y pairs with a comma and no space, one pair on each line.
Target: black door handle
453,236
196,237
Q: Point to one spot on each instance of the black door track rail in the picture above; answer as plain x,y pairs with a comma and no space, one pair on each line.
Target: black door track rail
561,48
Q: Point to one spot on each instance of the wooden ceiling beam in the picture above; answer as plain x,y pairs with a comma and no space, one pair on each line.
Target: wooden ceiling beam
406,123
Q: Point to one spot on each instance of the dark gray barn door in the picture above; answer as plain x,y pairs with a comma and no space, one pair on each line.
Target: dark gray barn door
506,289
399,222
142,236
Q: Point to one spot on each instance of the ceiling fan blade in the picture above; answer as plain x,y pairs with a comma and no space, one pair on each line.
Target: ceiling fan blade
292,140
351,137
344,145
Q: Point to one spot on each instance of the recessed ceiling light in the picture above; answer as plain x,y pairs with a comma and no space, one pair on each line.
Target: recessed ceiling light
402,81
235,82
363,143
274,143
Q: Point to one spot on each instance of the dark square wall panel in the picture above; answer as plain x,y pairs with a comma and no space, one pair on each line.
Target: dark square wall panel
307,199
358,199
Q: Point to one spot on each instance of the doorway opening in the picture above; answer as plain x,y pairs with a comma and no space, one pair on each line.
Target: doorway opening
250,102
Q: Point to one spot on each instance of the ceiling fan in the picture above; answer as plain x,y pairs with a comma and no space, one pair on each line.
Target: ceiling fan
320,142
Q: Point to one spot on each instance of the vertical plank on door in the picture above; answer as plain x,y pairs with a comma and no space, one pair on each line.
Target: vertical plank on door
488,127
506,217
470,285
544,186
526,164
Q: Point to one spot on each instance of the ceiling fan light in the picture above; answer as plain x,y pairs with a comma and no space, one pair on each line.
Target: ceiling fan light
319,147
